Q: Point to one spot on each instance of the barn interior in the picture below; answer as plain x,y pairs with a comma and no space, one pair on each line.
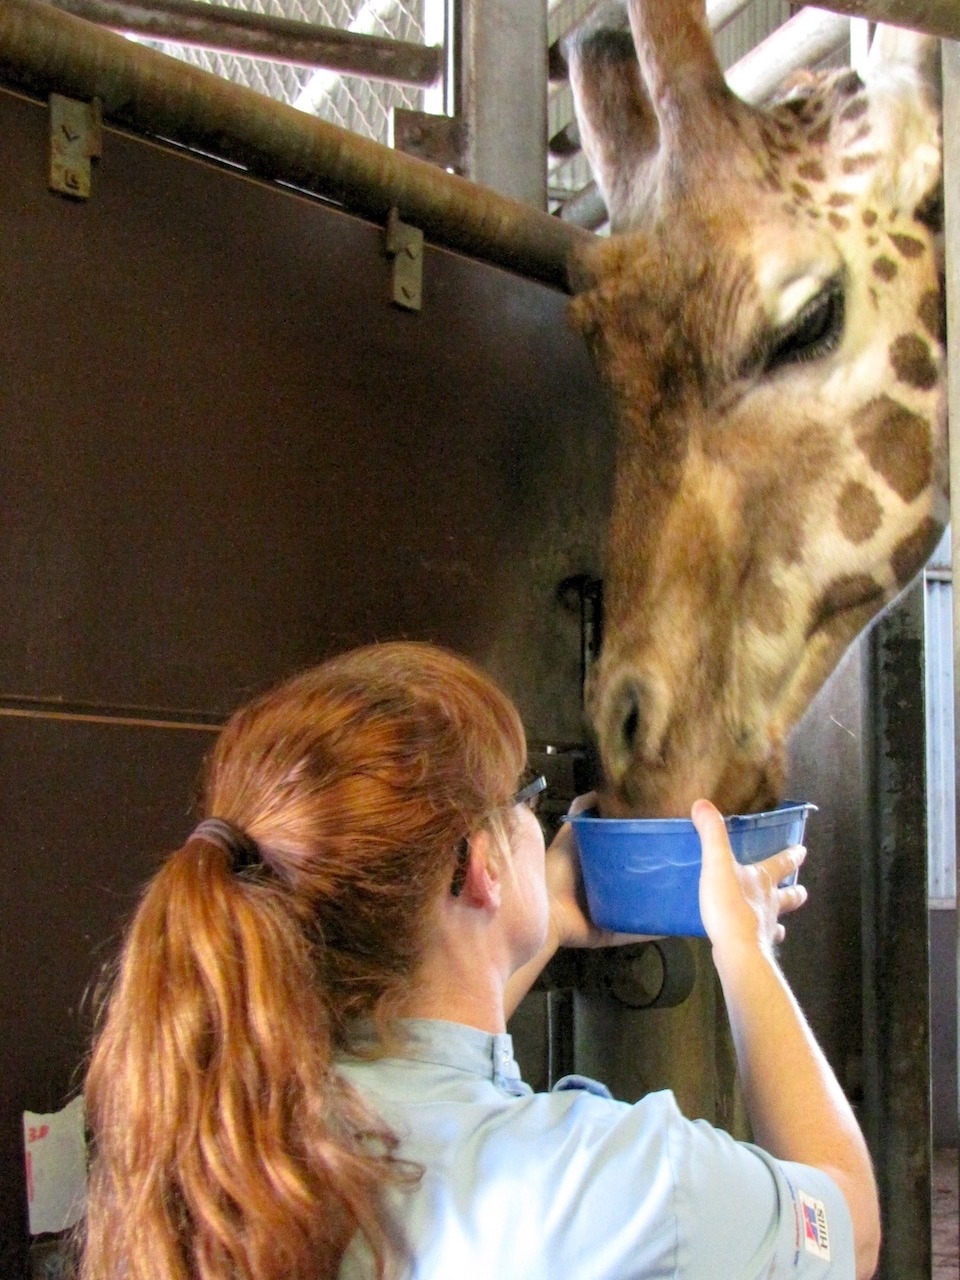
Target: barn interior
239,438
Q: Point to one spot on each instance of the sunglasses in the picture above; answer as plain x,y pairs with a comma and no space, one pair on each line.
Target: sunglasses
529,794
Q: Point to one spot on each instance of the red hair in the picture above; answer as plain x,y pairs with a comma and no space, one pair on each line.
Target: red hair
225,1143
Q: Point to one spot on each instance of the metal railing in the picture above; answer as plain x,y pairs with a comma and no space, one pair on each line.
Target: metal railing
346,61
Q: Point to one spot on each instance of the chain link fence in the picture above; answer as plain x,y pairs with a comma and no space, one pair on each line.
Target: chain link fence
354,103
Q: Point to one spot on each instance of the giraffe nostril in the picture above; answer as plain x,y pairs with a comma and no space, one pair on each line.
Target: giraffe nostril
630,726
625,728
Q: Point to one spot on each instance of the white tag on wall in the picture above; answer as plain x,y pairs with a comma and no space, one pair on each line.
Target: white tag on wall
55,1150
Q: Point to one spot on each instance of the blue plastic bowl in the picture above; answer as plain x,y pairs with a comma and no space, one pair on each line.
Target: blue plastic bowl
642,875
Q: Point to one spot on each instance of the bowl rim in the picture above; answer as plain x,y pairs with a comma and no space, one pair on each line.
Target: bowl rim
660,826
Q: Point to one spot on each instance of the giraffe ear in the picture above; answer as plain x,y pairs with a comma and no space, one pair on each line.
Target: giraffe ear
903,77
618,129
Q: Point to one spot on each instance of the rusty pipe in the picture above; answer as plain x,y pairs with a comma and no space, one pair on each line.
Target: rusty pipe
931,17
259,35
43,50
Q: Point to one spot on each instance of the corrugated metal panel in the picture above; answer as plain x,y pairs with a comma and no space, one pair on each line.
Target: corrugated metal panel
941,772
756,22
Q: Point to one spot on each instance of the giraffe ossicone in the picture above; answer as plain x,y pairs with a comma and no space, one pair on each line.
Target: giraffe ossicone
767,313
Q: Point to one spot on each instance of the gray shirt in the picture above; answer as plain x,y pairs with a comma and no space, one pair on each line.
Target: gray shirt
573,1185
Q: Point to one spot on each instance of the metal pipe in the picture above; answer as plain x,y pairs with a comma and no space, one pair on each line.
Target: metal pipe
257,35
933,17
951,223
44,51
804,40
720,12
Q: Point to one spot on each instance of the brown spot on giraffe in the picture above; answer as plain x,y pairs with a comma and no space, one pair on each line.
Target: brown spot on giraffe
819,135
859,513
929,212
884,267
801,191
858,164
850,591
896,443
912,551
849,83
912,361
839,199
837,222
930,313
859,135
908,246
855,110
869,217
812,170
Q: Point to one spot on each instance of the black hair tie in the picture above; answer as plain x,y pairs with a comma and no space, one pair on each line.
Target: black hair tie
242,850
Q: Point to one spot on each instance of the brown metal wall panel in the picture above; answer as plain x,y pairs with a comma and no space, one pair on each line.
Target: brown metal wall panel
226,453
87,810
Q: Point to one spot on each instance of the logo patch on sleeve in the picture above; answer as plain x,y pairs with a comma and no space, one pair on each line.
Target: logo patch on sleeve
816,1239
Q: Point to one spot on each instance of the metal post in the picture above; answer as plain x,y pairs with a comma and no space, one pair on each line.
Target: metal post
895,941
951,191
502,96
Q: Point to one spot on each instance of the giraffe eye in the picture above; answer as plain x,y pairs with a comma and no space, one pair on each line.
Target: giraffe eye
813,332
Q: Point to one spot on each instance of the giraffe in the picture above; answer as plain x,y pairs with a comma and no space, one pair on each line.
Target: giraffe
767,316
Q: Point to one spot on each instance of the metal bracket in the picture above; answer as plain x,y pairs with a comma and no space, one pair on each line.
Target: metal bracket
440,140
659,974
404,244
583,593
76,138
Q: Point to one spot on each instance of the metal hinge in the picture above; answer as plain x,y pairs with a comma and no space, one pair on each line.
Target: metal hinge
76,138
404,244
440,140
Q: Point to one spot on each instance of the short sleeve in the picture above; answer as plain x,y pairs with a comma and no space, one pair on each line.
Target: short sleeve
659,1195
772,1217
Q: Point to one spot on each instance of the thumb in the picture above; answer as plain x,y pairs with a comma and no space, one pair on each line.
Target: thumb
711,829
718,879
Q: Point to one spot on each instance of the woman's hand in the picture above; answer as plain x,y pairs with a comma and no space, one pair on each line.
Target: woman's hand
743,903
570,923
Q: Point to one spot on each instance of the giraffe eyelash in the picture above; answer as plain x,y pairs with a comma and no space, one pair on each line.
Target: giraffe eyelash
812,333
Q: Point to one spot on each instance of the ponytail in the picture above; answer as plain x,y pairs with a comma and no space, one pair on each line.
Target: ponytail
225,1144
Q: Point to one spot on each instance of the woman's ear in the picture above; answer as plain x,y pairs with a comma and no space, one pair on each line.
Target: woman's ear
483,881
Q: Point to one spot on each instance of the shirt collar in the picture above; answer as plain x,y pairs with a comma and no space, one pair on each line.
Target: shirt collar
453,1044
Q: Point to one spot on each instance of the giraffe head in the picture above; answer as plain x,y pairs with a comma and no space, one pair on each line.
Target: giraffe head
767,316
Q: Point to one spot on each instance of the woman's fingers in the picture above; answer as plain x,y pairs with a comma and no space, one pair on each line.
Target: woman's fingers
792,897
786,862
584,802
744,900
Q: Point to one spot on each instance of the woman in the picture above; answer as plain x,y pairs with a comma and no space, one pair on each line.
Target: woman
303,1068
